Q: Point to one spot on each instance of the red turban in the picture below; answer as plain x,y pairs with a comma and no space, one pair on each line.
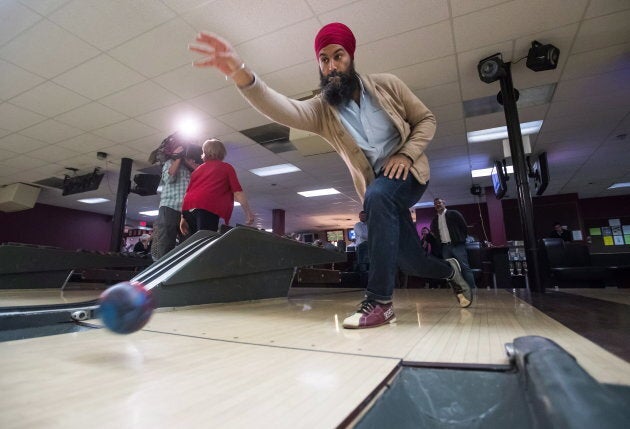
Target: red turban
338,34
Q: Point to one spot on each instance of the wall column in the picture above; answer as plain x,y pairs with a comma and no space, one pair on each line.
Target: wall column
277,221
495,218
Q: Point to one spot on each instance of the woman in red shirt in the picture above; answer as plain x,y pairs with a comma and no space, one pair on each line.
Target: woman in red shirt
211,193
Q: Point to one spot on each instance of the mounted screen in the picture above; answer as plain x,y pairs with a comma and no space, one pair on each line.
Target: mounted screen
499,180
541,171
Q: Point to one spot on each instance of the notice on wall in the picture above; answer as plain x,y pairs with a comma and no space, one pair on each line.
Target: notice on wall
618,240
577,235
608,240
595,231
614,222
627,238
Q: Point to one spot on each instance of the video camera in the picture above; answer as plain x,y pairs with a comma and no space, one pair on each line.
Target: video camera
168,147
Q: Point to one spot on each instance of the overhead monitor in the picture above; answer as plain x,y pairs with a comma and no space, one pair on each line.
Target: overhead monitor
499,179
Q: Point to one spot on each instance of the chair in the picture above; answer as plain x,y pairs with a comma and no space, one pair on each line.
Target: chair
569,264
479,263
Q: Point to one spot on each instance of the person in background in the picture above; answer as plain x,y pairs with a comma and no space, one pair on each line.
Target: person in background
211,193
381,130
143,246
360,229
450,230
429,243
560,232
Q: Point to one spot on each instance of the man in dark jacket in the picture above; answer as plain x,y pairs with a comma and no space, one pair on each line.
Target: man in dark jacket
450,230
560,232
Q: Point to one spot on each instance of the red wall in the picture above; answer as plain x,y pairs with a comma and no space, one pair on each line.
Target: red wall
56,226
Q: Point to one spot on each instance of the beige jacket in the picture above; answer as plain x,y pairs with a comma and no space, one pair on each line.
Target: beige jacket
413,120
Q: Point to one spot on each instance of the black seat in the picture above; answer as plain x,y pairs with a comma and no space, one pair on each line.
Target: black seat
479,263
569,265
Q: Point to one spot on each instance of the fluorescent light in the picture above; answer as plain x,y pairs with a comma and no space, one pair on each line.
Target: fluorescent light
483,172
150,213
319,192
425,204
269,230
275,169
501,133
93,200
236,204
619,185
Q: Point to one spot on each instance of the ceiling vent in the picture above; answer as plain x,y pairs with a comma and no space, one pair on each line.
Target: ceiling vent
273,137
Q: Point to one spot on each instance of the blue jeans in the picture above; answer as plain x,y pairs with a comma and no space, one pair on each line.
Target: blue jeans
392,237
458,251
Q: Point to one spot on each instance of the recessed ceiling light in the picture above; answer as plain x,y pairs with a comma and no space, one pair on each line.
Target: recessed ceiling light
483,172
150,213
501,133
93,200
619,185
319,192
236,204
425,204
275,169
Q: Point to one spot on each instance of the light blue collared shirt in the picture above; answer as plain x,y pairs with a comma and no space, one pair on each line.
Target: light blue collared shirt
370,127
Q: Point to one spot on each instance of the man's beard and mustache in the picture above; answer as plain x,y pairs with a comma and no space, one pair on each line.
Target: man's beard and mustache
338,88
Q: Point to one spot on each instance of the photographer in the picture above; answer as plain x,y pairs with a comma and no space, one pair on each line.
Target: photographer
175,179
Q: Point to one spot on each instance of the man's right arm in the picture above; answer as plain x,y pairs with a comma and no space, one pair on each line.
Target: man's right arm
219,53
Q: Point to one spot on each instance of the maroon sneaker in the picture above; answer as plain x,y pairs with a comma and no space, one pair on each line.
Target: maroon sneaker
370,315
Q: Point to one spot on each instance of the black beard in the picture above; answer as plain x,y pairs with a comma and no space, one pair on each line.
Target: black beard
338,88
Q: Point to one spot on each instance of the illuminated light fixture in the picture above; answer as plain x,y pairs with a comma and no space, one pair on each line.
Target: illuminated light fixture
425,204
150,213
319,192
188,127
93,200
619,185
274,169
236,204
501,133
269,230
483,172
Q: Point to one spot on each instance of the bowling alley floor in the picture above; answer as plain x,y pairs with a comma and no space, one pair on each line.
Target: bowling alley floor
270,363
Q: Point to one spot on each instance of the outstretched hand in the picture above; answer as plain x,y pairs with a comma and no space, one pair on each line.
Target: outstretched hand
218,53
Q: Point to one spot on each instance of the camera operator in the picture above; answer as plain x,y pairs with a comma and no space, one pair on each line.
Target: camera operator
175,178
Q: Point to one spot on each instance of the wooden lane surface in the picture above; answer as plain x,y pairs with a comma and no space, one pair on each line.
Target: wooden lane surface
430,327
154,380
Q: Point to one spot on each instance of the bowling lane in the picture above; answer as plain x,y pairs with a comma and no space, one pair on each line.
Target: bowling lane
148,379
430,327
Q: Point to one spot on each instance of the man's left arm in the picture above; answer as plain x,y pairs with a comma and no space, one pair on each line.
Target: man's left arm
460,223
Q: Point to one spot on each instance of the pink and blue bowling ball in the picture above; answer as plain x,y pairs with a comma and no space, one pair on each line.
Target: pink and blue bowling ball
126,307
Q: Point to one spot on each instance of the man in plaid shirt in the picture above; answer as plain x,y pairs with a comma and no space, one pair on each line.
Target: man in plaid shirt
175,179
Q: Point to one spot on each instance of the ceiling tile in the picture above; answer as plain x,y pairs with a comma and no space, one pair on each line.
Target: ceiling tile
14,118
244,119
428,73
603,32
321,6
125,131
604,7
145,53
44,7
62,52
85,143
15,80
51,131
15,18
91,116
106,24
99,77
437,41
53,153
141,98
220,102
254,18
440,95
20,144
188,81
295,81
513,19
410,15
598,61
49,99
24,162
463,7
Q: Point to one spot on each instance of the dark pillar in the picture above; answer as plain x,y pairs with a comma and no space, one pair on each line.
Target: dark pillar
495,218
277,221
525,207
124,183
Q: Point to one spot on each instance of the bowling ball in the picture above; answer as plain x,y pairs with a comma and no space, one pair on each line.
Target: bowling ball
126,307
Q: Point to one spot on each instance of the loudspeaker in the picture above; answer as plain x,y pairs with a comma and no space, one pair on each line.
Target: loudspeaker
542,57
146,184
18,196
475,189
491,69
